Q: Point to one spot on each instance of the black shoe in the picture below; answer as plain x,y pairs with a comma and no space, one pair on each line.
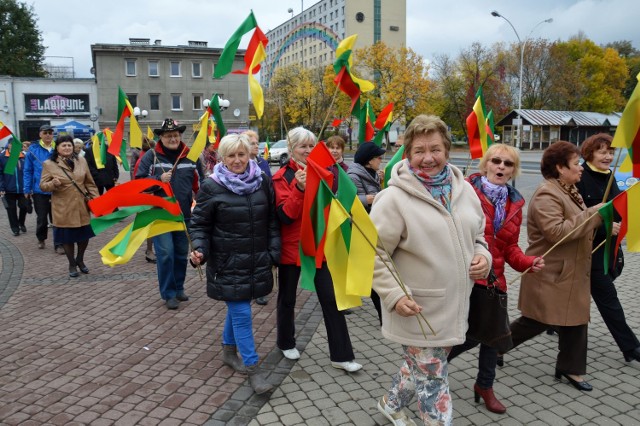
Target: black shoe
83,268
15,232
182,297
581,386
23,229
262,300
631,355
73,272
500,361
172,303
551,331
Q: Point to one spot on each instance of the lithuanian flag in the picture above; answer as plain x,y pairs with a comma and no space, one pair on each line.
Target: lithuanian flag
477,127
125,110
628,133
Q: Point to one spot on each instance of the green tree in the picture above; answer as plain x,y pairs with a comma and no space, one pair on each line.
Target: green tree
20,41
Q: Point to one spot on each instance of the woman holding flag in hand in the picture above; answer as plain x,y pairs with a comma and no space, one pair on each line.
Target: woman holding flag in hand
290,183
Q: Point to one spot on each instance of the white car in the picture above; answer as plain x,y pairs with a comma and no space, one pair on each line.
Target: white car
279,153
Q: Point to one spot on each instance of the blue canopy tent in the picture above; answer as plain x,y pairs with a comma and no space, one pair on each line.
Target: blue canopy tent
75,129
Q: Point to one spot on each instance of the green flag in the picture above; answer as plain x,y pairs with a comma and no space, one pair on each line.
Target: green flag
229,53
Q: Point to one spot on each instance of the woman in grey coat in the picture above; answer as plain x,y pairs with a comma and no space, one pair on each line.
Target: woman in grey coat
365,172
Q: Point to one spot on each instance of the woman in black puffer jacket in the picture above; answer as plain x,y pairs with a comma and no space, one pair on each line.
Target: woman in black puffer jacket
234,228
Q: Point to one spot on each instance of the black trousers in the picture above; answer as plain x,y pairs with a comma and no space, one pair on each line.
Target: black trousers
604,293
15,202
340,349
42,207
572,343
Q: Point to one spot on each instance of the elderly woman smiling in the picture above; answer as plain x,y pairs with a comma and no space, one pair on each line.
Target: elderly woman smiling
431,223
234,226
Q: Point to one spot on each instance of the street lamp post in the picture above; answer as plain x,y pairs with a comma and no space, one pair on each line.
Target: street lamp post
522,46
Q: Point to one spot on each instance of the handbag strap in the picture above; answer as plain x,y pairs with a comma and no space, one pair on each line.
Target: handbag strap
84,194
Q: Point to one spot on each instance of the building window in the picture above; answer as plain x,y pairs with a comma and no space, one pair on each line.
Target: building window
197,102
130,67
154,71
133,99
176,102
196,69
154,102
175,69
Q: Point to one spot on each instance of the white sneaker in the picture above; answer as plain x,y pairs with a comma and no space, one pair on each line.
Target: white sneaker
350,366
291,353
399,418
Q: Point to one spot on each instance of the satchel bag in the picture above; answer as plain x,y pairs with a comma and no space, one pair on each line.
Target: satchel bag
616,269
488,316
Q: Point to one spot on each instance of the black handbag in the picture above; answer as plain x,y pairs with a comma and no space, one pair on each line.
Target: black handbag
488,316
616,269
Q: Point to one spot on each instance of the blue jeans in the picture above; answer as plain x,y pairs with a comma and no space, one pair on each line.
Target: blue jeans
238,330
172,249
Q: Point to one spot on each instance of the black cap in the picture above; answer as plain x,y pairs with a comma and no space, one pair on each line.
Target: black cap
45,127
366,152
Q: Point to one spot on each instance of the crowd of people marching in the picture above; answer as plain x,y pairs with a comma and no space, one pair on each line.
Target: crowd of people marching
449,236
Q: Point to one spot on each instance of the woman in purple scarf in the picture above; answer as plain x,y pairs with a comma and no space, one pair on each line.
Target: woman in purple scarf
235,231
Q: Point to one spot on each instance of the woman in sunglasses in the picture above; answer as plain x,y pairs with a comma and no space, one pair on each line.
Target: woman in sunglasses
502,205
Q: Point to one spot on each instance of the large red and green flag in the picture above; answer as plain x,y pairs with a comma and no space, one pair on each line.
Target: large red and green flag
314,221
366,119
255,54
125,110
134,193
628,133
397,157
477,127
348,83
350,245
16,149
627,205
224,65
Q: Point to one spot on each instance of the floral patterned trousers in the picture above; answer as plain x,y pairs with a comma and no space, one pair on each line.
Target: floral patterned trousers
424,374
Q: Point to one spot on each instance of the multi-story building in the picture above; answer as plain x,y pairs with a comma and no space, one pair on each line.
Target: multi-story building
167,81
311,37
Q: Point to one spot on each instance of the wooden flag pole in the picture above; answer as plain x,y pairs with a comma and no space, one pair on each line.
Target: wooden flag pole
326,118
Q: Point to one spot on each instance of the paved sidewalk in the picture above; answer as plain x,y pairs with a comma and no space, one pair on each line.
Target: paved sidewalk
102,349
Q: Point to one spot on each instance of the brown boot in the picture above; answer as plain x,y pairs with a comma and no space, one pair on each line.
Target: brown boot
230,358
489,398
257,380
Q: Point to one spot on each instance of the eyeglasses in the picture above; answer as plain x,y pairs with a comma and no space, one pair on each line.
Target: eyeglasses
498,161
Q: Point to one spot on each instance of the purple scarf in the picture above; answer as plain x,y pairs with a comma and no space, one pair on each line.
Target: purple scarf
243,184
497,194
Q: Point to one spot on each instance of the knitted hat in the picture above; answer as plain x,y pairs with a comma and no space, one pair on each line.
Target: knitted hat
367,152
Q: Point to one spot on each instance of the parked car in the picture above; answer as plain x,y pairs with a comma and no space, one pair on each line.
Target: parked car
624,179
261,146
279,153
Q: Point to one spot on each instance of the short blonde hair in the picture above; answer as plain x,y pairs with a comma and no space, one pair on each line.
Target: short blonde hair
298,135
251,134
498,148
232,143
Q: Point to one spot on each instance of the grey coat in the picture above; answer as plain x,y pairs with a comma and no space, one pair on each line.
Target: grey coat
365,183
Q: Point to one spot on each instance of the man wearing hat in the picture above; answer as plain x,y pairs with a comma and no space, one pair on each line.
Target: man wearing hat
168,162
37,153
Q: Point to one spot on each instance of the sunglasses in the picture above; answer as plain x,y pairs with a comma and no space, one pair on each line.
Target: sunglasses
498,161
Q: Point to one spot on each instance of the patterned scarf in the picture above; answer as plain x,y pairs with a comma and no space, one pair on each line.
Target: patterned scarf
243,184
439,186
573,193
497,194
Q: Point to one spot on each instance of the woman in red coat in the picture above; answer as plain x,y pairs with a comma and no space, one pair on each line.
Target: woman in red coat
502,205
289,184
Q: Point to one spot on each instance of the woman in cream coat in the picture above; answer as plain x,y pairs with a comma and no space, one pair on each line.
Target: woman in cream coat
431,222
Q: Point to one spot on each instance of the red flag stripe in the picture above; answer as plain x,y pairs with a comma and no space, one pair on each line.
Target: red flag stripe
131,194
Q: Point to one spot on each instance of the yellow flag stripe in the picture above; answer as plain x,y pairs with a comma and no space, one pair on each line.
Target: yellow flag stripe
134,129
630,121
254,86
482,128
361,254
633,207
201,139
95,148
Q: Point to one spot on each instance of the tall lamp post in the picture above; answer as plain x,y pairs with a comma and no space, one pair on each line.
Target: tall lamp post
522,46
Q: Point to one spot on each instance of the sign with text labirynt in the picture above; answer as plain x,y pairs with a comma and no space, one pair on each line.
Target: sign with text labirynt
56,104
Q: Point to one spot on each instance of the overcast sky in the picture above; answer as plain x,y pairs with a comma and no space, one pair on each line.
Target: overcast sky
433,27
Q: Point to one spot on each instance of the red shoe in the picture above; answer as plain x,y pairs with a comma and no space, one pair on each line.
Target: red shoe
489,398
